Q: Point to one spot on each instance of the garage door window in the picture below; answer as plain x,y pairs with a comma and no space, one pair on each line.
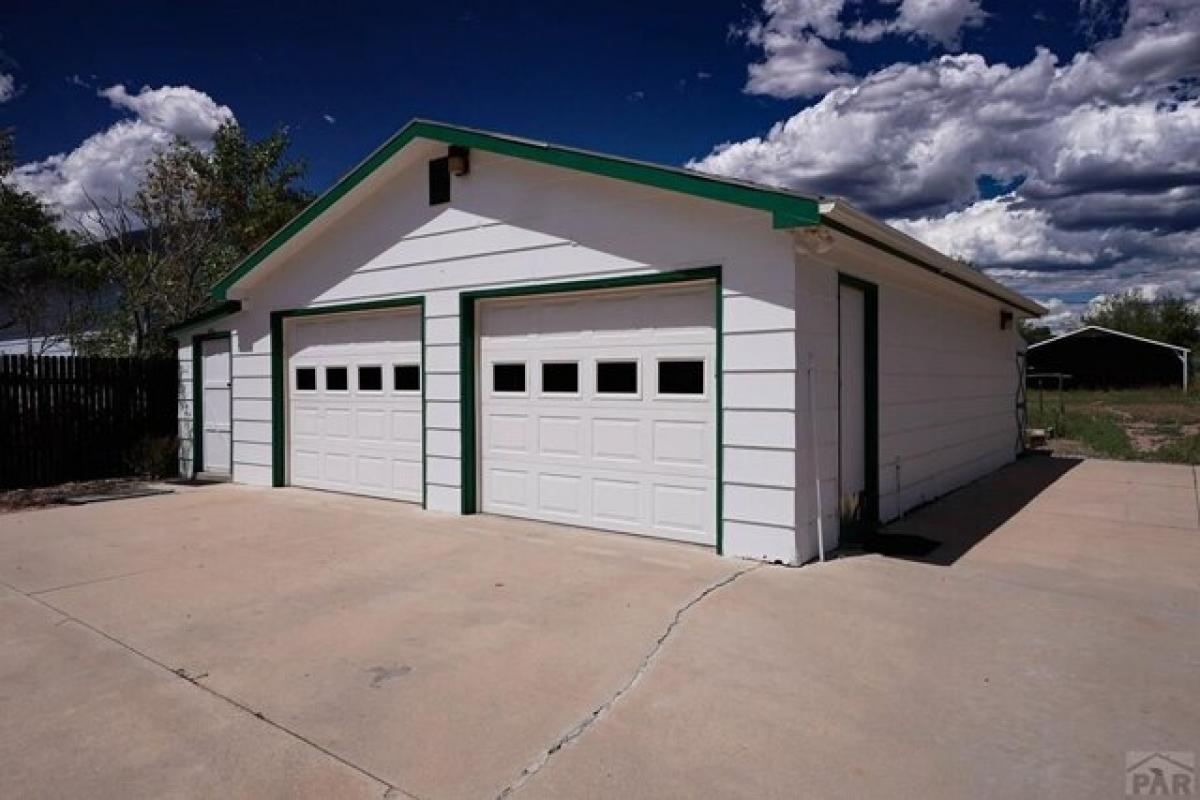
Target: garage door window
335,379
561,377
406,378
508,378
617,378
306,379
370,379
681,377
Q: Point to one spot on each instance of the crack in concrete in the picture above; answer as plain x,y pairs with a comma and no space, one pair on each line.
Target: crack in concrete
591,719
391,790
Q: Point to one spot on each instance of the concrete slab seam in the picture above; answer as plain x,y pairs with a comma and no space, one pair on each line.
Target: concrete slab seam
591,719
1196,489
94,581
391,790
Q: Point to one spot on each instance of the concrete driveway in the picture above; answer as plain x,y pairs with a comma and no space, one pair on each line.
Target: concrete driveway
234,642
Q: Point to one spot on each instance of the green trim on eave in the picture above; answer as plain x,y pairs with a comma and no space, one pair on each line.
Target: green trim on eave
468,359
870,397
198,399
788,210
278,404
223,310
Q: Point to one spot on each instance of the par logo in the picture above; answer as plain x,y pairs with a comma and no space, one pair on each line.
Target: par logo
1160,774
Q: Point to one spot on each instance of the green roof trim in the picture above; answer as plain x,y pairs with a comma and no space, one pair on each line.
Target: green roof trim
223,310
788,210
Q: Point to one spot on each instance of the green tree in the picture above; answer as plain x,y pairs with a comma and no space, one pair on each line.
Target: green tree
195,214
39,300
251,187
1033,333
1167,318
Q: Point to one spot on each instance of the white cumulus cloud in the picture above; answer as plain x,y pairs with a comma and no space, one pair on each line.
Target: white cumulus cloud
8,87
110,164
794,37
1101,148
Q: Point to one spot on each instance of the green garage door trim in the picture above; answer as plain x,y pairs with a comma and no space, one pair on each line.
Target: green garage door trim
788,210
871,400
279,402
468,341
198,399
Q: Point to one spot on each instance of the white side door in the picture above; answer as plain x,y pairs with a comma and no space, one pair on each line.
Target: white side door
852,408
216,422
354,403
599,410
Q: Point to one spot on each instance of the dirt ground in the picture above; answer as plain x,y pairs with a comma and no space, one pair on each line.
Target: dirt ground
43,496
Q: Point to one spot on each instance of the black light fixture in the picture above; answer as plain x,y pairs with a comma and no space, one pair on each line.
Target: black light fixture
460,160
1006,319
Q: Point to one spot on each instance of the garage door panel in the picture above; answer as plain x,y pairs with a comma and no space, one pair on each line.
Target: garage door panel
362,440
406,426
508,489
681,509
617,440
371,424
560,437
372,472
507,434
682,443
561,495
306,464
336,423
306,420
338,468
612,458
617,501
406,476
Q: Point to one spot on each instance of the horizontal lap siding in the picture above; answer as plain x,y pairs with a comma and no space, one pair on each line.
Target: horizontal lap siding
947,383
515,223
185,410
251,370
948,379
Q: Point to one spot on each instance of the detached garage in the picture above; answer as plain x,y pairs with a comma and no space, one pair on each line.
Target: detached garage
484,324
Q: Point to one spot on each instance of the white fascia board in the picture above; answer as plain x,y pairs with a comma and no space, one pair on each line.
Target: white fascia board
1174,347
843,213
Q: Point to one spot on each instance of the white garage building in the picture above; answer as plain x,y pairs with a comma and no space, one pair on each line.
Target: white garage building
480,323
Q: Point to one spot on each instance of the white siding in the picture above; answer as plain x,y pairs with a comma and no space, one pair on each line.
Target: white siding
185,409
251,367
513,222
947,383
947,371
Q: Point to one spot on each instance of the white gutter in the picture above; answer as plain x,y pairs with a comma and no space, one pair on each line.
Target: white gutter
837,213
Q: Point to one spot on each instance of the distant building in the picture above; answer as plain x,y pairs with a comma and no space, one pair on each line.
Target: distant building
1099,358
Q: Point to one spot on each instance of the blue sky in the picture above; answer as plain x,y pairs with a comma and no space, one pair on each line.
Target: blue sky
676,82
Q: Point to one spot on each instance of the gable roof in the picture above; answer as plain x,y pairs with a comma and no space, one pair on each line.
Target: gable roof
788,209
1062,336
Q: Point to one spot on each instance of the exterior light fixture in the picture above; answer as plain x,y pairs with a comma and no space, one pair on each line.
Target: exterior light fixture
1006,319
460,160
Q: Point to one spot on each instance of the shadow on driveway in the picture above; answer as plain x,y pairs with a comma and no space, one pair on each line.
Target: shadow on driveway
943,531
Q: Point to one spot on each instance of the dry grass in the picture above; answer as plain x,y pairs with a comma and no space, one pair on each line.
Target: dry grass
25,499
1133,424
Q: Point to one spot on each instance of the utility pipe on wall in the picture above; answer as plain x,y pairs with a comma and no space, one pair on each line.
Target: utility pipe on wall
816,463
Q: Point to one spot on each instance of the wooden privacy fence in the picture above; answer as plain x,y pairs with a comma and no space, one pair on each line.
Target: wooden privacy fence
68,418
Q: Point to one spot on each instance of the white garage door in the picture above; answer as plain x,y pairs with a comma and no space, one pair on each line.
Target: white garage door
599,410
354,403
